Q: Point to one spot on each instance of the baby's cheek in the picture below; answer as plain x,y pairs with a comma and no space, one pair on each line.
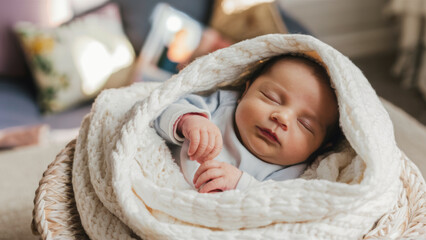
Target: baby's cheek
256,108
299,149
242,112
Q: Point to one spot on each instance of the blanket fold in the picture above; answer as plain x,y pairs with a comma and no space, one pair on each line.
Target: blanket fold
125,179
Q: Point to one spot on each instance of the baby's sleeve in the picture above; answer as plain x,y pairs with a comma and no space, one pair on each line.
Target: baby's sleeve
165,123
246,181
290,172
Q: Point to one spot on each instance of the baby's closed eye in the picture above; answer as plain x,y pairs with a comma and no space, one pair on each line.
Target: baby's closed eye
306,124
271,97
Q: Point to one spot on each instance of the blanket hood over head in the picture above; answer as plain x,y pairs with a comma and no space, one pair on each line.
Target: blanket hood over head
125,179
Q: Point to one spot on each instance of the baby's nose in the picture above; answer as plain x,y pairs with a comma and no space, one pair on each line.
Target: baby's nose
281,120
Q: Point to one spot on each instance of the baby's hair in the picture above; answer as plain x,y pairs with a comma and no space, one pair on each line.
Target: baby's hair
334,134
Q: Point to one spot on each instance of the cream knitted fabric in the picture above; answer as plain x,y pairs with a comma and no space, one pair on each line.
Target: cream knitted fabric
126,182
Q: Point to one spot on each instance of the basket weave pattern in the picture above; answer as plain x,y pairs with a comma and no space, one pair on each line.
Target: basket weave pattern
55,214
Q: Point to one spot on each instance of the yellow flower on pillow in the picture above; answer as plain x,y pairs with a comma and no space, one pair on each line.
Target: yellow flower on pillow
41,44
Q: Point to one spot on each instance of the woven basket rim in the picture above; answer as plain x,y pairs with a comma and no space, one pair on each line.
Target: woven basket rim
54,218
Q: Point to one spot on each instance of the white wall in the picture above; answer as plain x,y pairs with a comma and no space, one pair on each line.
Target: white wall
354,27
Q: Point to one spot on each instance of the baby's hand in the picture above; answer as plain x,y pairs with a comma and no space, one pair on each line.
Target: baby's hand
205,139
215,176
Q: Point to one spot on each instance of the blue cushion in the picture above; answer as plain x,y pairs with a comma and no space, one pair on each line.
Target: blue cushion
17,105
18,108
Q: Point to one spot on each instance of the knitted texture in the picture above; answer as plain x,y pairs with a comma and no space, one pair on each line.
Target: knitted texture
126,183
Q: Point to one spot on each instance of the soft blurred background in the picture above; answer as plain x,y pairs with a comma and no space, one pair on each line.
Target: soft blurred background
57,55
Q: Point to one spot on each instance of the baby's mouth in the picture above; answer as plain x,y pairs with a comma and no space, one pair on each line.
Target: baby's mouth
269,134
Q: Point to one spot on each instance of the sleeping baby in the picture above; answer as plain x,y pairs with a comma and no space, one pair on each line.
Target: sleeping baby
284,116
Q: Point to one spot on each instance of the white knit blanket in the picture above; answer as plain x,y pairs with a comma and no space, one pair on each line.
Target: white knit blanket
127,185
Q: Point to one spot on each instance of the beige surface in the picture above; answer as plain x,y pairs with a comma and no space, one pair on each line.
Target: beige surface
21,170
410,135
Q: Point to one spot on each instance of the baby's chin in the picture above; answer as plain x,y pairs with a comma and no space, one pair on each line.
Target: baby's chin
274,161
269,156
263,152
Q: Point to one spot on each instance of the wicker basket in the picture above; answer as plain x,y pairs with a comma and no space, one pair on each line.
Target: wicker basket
55,214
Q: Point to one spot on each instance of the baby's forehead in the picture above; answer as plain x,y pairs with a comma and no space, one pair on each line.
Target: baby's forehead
293,68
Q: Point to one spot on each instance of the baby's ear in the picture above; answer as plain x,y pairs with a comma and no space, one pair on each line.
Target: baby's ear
246,89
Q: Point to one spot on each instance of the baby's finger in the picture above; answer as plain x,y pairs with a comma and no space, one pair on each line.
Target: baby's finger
204,138
204,167
216,149
216,185
210,146
208,175
194,141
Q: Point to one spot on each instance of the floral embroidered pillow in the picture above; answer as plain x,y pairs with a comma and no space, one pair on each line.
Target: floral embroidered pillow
74,62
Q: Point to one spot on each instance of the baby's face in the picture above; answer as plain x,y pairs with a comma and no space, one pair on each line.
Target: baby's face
283,116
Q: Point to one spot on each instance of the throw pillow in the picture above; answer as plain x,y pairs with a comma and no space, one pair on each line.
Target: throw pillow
74,62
